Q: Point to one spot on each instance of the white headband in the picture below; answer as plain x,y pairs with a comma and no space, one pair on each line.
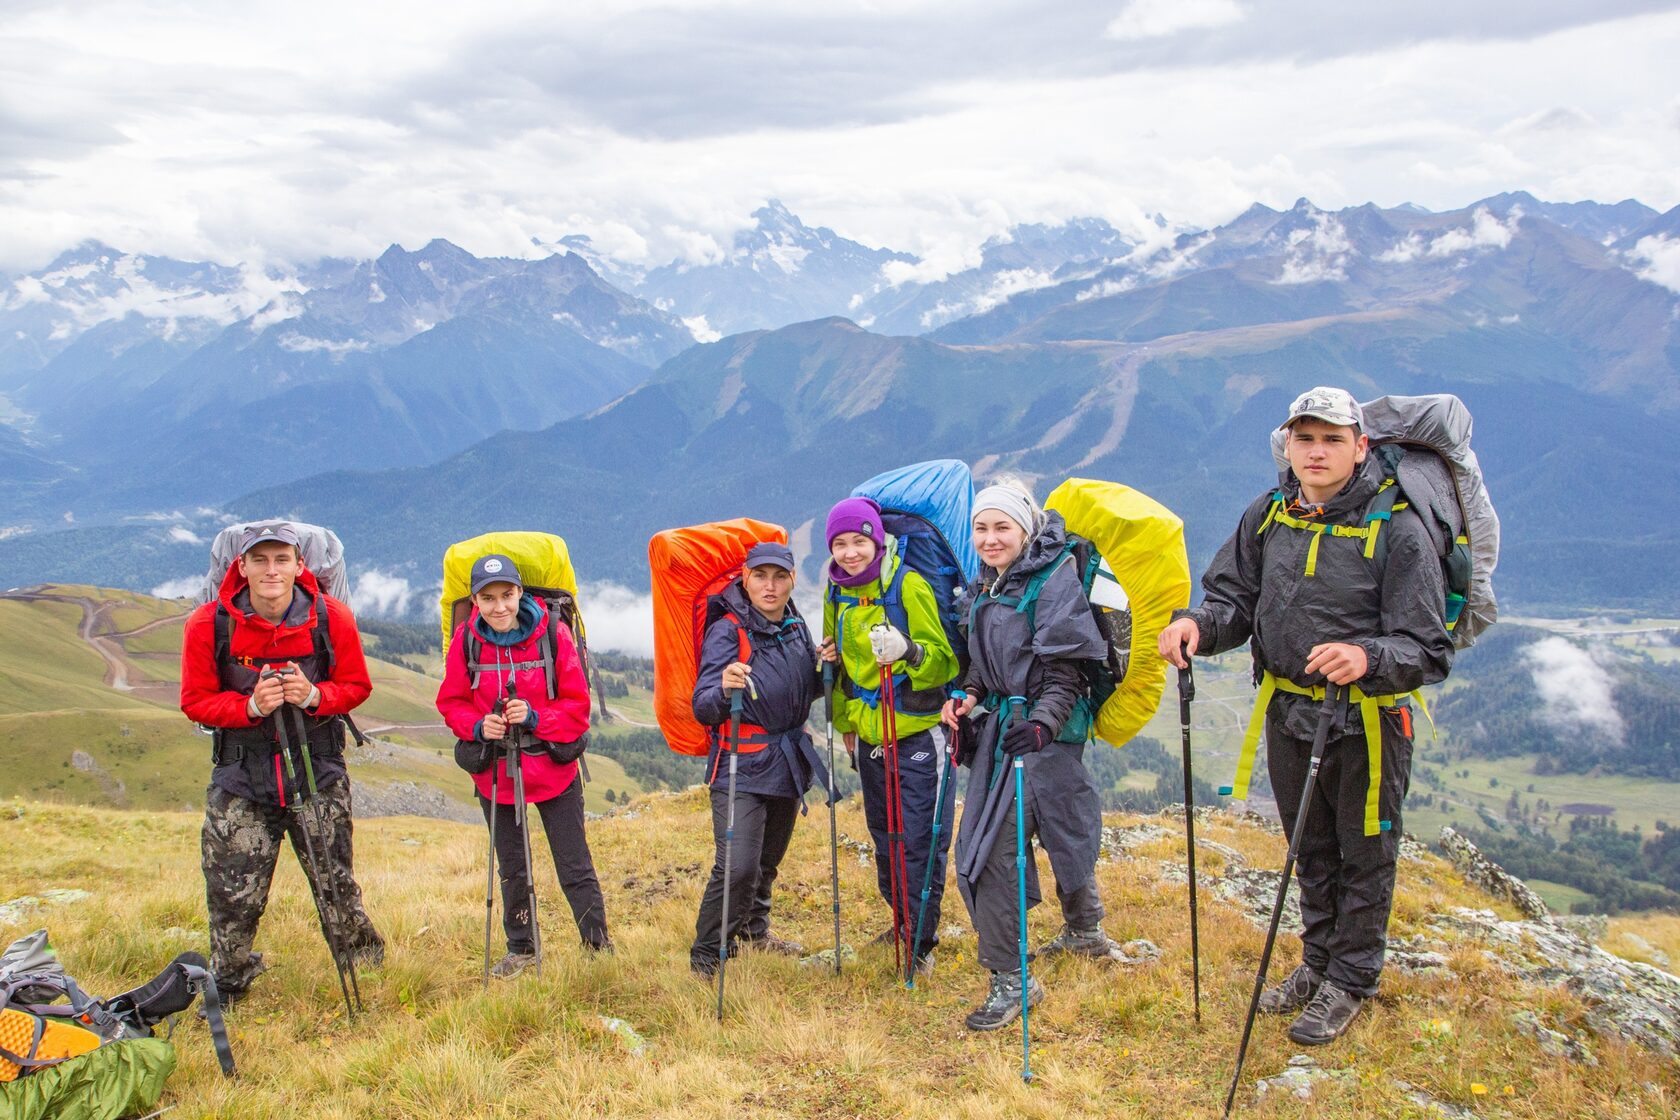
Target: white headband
1011,503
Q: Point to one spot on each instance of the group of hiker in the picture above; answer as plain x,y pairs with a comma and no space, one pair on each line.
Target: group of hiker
993,673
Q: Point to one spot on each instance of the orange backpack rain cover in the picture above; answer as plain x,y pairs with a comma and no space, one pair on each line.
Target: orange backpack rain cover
688,567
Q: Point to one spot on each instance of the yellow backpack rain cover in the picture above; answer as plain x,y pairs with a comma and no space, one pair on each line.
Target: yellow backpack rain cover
542,559
1143,542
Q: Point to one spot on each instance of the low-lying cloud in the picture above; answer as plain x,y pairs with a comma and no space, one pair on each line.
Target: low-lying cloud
381,595
1660,261
617,618
186,587
1576,692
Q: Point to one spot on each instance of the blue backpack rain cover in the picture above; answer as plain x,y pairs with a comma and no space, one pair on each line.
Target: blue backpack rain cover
929,508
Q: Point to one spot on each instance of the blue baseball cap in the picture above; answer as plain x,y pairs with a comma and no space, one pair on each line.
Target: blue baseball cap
770,553
494,568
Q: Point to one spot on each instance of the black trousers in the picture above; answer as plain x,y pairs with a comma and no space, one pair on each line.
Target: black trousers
921,762
763,827
1346,878
562,819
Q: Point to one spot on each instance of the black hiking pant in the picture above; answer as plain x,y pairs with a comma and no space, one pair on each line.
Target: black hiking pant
240,844
922,758
562,820
1346,878
763,828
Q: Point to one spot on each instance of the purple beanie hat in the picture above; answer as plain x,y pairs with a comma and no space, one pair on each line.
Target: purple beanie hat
856,515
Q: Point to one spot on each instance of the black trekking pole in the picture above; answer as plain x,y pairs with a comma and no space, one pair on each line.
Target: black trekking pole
1332,701
522,819
322,909
833,795
1187,693
490,868
735,702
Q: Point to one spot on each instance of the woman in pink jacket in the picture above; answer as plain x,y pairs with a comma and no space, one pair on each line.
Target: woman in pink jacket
509,637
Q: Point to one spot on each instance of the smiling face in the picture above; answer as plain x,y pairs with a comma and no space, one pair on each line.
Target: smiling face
853,551
997,538
271,568
1324,456
769,587
498,605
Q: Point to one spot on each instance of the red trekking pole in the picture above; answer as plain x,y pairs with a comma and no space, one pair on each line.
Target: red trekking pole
902,956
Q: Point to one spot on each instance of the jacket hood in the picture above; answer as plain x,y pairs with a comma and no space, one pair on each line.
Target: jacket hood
233,584
1041,551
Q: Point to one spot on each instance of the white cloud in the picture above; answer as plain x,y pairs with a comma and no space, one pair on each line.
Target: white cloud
700,329
380,594
1319,253
1576,693
1150,19
1660,256
183,535
618,618
1484,232
187,587
338,348
1105,289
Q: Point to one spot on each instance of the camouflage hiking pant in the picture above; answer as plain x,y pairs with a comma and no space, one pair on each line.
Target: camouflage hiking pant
240,844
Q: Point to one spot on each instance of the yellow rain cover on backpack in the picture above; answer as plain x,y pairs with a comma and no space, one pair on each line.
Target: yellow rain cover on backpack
1143,542
542,559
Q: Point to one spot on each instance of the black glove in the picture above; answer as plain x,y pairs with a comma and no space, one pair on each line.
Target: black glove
1025,737
968,741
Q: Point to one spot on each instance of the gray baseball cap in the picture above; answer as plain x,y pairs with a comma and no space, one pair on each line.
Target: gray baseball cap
772,553
1326,403
494,568
280,531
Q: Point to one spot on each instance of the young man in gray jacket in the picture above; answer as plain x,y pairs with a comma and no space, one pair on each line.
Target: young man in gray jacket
1300,580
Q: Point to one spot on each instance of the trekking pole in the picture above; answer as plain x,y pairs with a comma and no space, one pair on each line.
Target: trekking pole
896,872
933,857
1332,701
328,927
735,702
490,869
521,818
833,823
331,884
1021,901
1187,693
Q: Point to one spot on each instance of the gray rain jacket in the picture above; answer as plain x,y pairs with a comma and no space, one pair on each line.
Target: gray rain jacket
1257,588
1011,657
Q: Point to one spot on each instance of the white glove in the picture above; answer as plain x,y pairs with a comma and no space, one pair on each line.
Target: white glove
889,645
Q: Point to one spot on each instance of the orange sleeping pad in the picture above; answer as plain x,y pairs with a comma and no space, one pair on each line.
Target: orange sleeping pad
689,566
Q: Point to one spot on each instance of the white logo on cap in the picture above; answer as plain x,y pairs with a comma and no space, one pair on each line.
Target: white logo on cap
492,566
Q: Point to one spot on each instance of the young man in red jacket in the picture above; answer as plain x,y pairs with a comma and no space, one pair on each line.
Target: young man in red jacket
271,615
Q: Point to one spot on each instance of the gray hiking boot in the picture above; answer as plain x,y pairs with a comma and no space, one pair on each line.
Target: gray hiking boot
770,943
1093,943
512,965
1296,991
1002,1004
1330,1013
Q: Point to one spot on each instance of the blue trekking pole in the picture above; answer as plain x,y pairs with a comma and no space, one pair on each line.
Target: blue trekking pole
1021,898
933,857
833,824
735,702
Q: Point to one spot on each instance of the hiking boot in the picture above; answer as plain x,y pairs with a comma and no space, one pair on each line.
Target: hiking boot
596,948
885,937
1093,943
770,943
1002,1004
703,967
512,964
370,956
1296,991
1330,1013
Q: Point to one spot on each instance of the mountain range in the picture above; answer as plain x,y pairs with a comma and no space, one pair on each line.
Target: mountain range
1161,361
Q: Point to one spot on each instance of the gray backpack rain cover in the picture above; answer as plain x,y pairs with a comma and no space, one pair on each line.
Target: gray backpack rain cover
323,554
1445,487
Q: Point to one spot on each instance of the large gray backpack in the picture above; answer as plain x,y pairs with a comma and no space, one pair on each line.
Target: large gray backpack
1423,443
323,554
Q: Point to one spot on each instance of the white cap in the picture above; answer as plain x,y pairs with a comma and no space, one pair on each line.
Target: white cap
1331,405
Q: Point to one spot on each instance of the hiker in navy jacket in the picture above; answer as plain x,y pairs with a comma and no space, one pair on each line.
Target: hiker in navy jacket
760,644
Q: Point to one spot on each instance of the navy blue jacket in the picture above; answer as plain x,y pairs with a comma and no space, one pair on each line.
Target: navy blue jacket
784,673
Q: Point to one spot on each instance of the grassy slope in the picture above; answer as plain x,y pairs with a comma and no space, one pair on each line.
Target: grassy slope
795,1042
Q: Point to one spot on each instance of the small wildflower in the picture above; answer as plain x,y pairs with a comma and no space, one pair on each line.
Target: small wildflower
1478,1089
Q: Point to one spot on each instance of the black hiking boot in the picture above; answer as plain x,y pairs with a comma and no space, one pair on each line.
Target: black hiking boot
1093,943
1296,991
1002,1004
1329,1014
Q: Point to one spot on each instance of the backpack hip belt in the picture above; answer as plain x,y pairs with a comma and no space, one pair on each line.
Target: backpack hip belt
232,745
1370,716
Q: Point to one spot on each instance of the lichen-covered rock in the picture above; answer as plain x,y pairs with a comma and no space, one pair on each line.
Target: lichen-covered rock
1480,871
1431,1103
1118,842
1300,1078
1555,1043
1590,928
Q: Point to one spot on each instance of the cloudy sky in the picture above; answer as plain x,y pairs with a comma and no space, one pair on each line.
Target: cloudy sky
280,133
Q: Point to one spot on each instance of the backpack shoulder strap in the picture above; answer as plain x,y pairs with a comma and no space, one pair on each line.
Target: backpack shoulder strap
224,636
744,646
1035,586
322,635
892,599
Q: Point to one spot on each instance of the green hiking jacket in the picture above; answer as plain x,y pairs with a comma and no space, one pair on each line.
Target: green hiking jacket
849,625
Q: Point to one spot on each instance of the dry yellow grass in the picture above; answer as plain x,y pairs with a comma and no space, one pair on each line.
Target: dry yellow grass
796,1042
